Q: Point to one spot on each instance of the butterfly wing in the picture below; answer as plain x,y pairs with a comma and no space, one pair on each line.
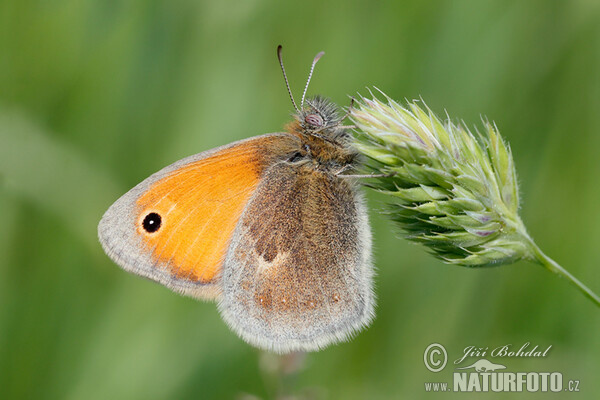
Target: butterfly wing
175,226
297,274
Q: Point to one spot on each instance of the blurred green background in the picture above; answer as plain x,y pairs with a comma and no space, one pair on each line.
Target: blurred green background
97,95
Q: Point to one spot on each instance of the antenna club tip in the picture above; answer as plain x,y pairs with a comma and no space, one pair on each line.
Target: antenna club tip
318,57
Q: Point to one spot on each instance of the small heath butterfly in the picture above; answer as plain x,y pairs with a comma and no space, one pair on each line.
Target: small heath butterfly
270,227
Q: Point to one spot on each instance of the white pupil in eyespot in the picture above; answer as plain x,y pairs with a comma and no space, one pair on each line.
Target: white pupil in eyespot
152,222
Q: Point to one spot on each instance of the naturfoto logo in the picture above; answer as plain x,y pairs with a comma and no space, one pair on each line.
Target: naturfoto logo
483,375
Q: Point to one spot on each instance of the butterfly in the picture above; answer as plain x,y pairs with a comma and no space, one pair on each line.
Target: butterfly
270,227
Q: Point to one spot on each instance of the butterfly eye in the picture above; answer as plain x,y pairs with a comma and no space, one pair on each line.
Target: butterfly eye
296,157
314,119
151,222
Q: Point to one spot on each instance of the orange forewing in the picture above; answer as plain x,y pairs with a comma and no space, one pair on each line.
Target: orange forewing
201,203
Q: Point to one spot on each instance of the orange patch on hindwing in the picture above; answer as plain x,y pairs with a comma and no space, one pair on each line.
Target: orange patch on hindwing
199,205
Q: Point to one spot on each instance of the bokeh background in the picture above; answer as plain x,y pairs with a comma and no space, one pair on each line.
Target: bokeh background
97,95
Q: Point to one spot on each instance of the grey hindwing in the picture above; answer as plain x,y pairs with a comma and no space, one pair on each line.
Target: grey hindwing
298,275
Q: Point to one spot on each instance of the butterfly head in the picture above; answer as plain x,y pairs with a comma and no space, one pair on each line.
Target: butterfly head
318,117
319,125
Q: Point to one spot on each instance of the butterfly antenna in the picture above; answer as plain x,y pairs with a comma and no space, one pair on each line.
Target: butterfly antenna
312,68
287,84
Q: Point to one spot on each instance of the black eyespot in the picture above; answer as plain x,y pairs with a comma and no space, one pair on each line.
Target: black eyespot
151,222
314,119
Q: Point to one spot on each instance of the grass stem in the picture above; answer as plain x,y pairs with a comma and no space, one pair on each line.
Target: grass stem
541,258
